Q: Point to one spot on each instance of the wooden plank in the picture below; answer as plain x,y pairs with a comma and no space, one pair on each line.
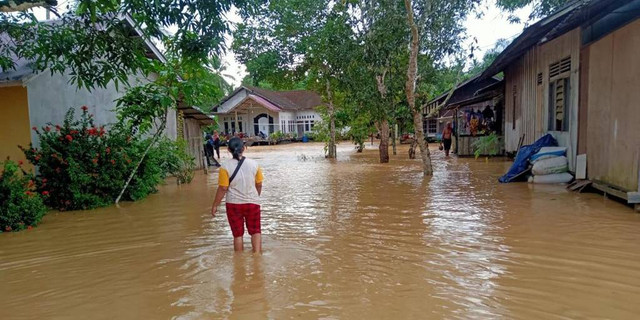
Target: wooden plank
581,166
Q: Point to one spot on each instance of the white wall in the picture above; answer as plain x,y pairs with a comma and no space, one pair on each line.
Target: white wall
50,96
234,100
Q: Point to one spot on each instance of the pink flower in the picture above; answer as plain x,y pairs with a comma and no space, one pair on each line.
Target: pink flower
69,137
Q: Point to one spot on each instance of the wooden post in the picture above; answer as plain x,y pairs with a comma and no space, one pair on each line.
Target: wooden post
237,127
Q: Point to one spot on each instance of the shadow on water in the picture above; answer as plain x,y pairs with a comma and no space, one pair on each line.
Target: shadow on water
348,239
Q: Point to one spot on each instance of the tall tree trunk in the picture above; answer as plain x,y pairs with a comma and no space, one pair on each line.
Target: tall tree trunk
332,123
412,72
394,138
383,124
384,141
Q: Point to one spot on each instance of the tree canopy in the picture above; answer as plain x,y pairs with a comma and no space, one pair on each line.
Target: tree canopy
100,41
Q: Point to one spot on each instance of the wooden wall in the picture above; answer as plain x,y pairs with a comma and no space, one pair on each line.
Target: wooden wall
195,141
613,131
526,101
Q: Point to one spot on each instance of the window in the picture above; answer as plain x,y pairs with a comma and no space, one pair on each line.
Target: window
432,126
559,95
559,104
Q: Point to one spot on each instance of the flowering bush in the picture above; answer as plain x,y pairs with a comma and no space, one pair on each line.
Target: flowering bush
84,166
21,206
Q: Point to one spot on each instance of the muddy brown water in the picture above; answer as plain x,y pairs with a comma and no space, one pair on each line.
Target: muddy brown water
348,239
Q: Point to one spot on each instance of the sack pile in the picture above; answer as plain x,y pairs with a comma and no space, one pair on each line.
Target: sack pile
550,165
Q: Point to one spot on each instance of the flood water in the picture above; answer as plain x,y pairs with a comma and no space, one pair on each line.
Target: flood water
348,239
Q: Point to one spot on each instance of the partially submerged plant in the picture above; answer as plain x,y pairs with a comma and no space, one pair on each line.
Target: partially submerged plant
487,145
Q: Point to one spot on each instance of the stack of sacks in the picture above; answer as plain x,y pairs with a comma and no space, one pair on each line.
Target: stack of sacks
550,165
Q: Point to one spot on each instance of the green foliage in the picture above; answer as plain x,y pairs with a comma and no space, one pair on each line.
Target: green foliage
360,128
92,40
21,206
176,159
83,166
541,8
487,145
276,136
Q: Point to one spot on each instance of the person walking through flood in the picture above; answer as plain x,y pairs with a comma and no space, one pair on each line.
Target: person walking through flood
447,134
216,143
240,179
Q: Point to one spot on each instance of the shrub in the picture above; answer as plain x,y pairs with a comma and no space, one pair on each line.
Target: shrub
86,166
176,160
21,206
487,145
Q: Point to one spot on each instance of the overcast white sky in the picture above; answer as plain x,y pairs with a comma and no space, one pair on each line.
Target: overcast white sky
488,29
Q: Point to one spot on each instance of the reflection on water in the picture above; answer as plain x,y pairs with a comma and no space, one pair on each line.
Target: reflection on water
346,239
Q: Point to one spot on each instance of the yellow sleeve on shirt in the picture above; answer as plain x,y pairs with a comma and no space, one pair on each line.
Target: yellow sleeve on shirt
223,178
259,176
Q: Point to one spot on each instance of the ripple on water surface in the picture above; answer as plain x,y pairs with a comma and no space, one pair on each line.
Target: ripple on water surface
344,239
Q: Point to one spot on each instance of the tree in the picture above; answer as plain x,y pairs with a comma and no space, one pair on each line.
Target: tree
92,42
541,8
285,41
436,31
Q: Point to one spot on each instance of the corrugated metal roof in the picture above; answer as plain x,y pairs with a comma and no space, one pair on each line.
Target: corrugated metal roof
564,19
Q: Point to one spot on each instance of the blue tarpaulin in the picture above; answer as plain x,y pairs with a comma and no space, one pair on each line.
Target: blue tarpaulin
521,162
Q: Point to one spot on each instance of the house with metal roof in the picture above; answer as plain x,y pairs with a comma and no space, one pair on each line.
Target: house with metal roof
474,108
260,112
575,75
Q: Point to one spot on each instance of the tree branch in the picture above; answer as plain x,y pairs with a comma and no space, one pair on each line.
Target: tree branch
21,5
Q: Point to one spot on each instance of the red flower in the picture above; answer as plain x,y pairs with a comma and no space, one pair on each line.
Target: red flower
45,193
7,228
108,150
128,160
69,138
84,108
20,163
47,129
95,161
73,131
29,227
92,132
58,127
113,161
27,192
37,158
34,129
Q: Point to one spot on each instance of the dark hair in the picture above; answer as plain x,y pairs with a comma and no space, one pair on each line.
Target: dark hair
236,147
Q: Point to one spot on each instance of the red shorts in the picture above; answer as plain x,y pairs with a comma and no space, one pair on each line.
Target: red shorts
239,214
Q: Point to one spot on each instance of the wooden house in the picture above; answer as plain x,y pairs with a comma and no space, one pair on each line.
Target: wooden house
575,75
474,109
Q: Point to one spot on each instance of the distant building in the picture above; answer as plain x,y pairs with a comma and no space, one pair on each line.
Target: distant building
35,99
475,109
575,75
253,111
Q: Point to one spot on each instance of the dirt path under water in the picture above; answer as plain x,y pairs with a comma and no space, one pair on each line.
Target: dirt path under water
349,239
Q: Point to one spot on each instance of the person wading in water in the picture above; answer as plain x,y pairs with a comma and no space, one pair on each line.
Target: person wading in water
447,133
240,179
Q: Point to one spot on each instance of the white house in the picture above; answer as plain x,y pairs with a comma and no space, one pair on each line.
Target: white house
253,111
35,99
